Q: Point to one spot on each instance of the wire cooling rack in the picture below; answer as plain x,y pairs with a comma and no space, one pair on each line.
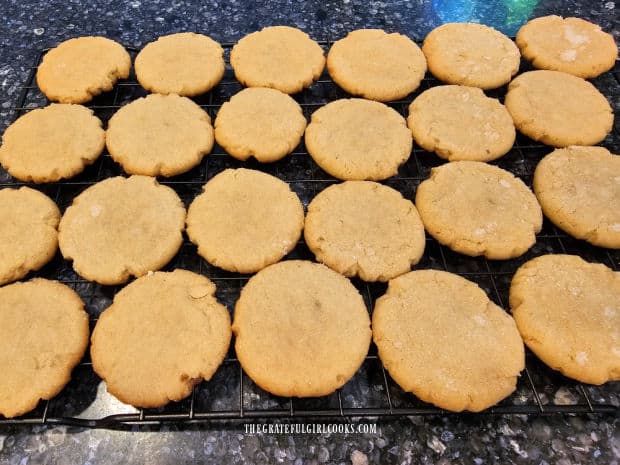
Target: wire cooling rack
230,394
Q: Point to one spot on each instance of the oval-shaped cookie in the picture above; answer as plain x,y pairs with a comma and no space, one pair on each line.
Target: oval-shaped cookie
357,139
184,64
159,135
163,334
376,65
80,68
478,209
552,107
280,57
301,329
245,220
471,54
52,143
441,338
568,312
571,45
28,232
260,122
461,123
579,191
365,229
122,227
43,336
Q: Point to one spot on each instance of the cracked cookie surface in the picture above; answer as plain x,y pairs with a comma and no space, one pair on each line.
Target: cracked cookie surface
479,209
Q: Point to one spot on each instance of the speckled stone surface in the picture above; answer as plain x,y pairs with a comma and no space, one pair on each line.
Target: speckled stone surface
27,27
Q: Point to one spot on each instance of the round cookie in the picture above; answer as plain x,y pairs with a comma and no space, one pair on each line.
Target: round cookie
163,334
568,313
301,329
356,139
551,107
280,57
396,67
260,122
471,54
578,189
461,123
28,232
365,229
52,143
479,209
80,68
245,220
43,336
441,338
159,135
184,64
571,45
122,227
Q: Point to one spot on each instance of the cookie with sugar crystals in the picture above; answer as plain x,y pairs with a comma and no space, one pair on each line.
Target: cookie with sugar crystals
441,338
260,122
245,220
479,209
163,334
184,64
571,45
28,232
280,57
461,123
52,143
159,135
471,54
365,229
357,139
552,107
579,191
301,329
568,312
43,336
122,227
376,65
80,68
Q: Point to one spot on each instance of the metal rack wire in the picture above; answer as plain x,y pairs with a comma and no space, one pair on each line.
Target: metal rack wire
230,394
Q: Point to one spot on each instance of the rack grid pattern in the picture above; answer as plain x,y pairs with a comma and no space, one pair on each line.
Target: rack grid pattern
230,394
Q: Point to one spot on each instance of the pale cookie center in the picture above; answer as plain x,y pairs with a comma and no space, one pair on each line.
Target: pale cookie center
480,320
609,312
581,358
615,227
574,37
568,55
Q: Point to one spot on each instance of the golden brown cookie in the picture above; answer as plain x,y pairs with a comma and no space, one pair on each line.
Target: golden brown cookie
184,64
280,57
376,65
579,191
461,123
245,220
43,336
122,227
52,143
159,135
571,45
440,337
28,232
471,54
365,229
260,122
163,334
479,209
80,68
356,139
568,312
301,329
553,107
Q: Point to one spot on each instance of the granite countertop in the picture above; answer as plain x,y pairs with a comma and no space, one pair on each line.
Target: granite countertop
27,27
